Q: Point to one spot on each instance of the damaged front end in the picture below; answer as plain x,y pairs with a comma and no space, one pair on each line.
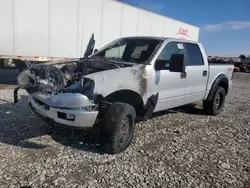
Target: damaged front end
61,94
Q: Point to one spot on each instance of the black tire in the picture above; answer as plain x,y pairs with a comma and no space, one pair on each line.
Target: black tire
216,105
2,65
117,128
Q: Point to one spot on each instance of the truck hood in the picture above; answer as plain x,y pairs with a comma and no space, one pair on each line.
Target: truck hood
87,77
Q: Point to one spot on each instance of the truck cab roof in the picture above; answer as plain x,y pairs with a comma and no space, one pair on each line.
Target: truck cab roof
161,39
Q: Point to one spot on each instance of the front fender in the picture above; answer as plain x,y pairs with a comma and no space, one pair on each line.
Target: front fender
131,78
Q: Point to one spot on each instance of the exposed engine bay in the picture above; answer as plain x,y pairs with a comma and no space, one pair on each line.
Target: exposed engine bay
64,77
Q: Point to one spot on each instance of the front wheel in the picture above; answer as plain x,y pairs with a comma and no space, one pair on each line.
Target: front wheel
216,105
117,128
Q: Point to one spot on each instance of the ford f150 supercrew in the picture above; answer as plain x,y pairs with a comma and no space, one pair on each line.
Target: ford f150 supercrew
128,78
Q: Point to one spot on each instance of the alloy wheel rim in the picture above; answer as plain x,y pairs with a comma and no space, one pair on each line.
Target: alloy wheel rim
217,101
125,130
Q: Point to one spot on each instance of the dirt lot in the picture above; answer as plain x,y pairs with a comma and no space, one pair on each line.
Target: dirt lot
176,148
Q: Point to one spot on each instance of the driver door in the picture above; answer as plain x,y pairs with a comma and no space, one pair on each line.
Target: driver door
170,85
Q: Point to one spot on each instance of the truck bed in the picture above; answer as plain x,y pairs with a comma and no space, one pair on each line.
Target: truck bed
216,69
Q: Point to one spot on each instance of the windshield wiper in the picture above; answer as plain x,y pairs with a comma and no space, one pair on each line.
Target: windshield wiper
119,61
114,60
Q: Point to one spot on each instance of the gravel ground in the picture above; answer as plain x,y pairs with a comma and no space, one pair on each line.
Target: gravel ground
176,148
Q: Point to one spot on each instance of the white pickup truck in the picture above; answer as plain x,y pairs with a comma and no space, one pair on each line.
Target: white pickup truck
128,78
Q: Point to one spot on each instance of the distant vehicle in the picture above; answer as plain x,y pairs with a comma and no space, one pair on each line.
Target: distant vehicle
128,78
243,67
40,31
236,69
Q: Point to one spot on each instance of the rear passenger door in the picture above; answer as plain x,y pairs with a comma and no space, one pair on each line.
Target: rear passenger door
197,74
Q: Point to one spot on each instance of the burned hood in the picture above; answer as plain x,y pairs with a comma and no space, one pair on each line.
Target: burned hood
89,78
57,77
44,78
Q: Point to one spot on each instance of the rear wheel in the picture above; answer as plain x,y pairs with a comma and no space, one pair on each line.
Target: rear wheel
117,128
216,105
2,64
6,63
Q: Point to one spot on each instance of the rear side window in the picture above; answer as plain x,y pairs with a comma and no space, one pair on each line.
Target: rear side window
194,54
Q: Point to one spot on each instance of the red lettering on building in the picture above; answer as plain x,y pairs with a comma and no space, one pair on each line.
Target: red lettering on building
183,32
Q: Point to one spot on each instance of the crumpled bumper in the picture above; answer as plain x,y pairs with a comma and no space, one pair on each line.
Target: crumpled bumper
76,118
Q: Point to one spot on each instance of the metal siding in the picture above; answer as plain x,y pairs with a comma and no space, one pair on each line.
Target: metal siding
89,22
31,27
129,21
6,33
145,23
63,28
111,26
158,26
170,28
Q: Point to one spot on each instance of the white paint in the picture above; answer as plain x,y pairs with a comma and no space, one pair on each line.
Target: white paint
83,118
31,27
7,30
107,82
196,83
64,100
62,28
173,90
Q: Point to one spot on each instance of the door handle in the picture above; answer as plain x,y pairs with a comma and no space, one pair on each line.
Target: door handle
183,75
204,73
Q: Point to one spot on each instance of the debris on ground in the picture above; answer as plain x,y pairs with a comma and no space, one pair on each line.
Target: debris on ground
176,148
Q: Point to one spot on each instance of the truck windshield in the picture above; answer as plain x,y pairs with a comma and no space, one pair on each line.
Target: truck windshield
137,50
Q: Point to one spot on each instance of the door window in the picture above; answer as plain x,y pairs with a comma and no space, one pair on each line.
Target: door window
170,49
194,55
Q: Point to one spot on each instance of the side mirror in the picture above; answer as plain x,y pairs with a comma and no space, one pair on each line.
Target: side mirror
162,64
177,63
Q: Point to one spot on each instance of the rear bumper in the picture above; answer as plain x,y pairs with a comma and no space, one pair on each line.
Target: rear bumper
82,118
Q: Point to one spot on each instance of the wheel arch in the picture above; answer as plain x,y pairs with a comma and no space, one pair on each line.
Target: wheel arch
221,81
126,96
134,99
